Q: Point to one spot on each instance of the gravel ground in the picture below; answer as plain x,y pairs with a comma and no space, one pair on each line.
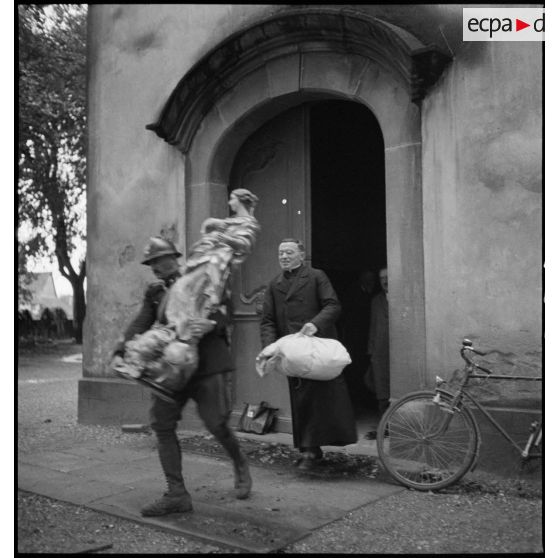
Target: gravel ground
484,514
416,523
50,526
47,419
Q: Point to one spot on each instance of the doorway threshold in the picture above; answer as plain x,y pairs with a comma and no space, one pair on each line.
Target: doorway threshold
361,447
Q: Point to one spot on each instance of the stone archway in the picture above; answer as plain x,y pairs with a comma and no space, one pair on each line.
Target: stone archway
288,60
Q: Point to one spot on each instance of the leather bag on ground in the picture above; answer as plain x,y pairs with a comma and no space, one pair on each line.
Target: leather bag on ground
257,419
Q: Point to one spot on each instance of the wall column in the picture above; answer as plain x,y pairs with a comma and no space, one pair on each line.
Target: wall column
405,268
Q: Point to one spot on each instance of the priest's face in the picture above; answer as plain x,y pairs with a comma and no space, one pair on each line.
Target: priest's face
290,255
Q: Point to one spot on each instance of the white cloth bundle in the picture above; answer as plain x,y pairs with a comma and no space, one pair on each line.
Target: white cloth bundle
303,356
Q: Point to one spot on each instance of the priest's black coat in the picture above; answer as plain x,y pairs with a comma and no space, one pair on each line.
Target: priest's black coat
321,411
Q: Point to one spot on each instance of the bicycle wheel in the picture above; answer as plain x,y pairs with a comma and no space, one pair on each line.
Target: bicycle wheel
427,448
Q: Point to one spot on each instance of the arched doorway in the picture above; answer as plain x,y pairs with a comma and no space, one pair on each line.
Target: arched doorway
318,169
248,107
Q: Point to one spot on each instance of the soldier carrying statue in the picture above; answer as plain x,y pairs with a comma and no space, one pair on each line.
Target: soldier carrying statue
178,344
165,356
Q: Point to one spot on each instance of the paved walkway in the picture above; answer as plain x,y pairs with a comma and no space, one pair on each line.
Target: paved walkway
285,506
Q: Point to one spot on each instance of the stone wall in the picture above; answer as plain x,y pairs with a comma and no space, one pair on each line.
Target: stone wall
137,55
482,187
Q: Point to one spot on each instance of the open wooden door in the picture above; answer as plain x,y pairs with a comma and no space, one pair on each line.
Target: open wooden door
273,163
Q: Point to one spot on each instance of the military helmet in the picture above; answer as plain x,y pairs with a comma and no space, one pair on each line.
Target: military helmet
156,247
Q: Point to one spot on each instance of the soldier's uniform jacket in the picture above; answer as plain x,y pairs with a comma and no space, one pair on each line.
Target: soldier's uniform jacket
213,348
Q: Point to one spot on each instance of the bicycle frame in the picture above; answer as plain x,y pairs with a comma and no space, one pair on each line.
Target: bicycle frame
457,401
493,421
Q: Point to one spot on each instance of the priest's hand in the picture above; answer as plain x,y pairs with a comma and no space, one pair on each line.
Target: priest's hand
309,329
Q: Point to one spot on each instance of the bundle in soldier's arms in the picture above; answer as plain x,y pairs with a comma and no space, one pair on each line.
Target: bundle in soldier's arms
165,357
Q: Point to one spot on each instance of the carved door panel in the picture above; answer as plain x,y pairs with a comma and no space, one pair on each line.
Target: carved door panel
273,163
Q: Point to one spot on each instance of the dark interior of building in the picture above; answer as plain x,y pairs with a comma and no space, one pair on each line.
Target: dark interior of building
349,221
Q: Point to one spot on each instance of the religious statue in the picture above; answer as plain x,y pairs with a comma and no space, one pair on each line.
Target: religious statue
165,356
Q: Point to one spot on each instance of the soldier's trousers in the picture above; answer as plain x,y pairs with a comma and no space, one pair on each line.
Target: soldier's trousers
212,395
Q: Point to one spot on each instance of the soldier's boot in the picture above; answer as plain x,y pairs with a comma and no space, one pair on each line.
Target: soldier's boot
171,502
176,499
242,477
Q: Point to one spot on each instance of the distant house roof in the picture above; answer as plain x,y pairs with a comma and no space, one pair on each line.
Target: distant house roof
43,295
42,285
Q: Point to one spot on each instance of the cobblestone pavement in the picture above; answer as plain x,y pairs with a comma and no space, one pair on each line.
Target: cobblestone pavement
482,515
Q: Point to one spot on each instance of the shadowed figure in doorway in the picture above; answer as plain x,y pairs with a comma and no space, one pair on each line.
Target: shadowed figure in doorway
377,375
353,333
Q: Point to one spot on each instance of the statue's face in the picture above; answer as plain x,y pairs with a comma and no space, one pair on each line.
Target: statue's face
164,266
290,256
234,203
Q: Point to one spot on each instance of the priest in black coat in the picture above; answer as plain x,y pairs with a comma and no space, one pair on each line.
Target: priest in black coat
302,298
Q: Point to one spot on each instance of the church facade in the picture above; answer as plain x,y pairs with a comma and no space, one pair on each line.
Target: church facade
374,134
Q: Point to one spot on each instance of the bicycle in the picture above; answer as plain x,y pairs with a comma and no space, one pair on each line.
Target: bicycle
429,440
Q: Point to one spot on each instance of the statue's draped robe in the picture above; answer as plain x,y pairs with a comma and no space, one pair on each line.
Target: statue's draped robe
167,354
